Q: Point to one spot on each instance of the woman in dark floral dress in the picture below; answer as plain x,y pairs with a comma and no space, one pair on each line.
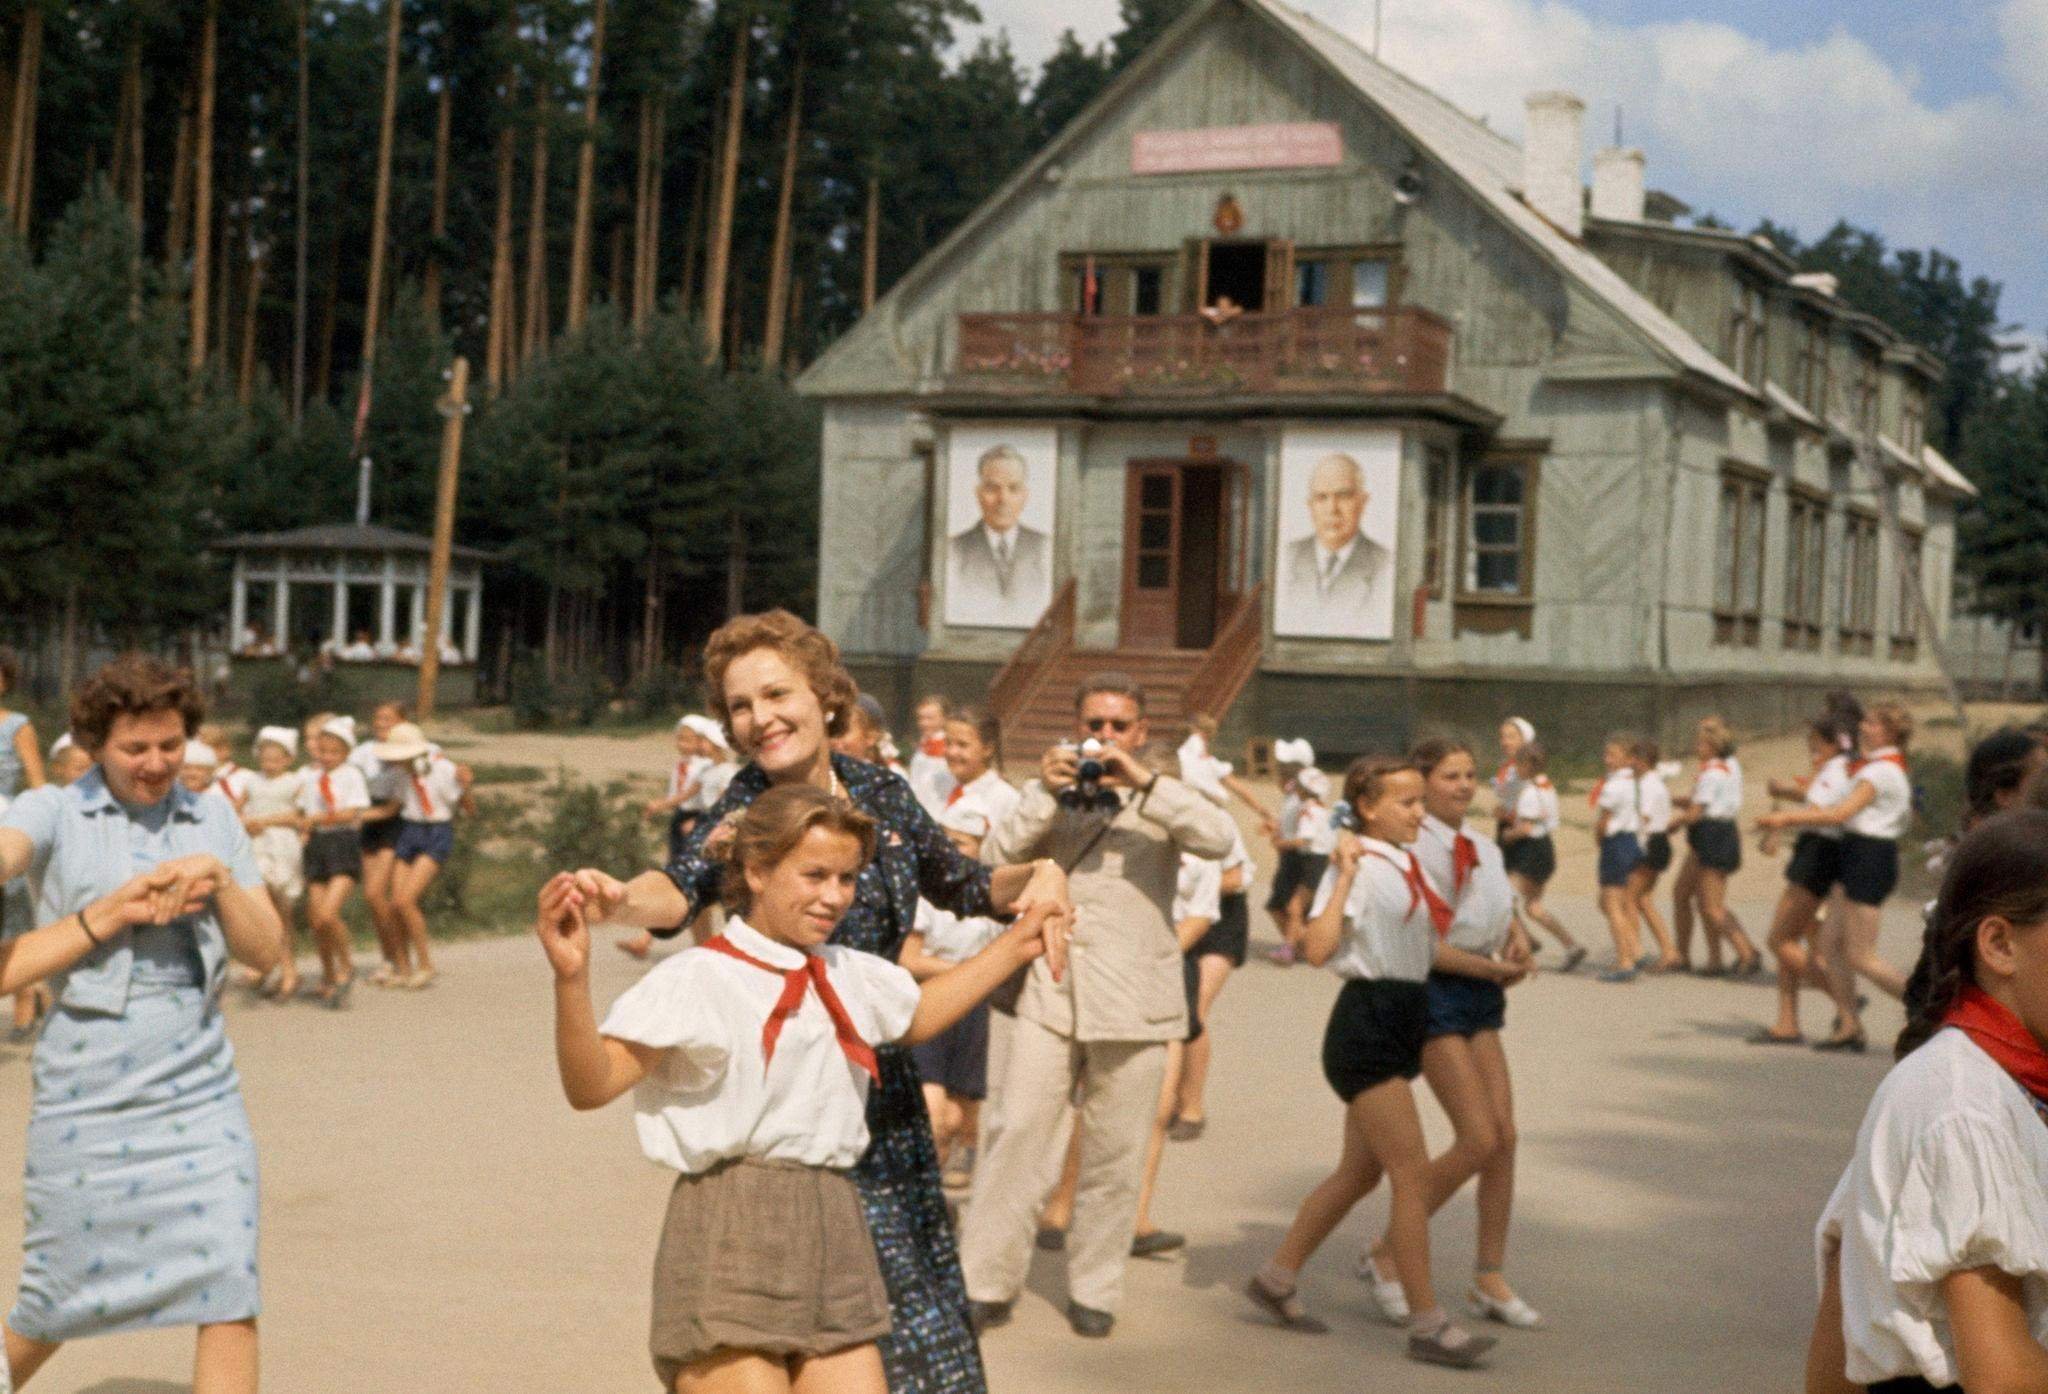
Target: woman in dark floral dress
781,690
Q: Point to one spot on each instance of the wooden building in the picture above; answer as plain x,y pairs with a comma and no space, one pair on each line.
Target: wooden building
1284,384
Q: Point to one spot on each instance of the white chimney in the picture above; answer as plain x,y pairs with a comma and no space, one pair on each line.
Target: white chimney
1821,281
1552,150
1618,184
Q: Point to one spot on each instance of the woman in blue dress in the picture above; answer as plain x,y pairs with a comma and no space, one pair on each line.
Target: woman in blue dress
780,688
140,1185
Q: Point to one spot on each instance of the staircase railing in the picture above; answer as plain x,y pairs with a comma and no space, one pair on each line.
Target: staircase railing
1049,640
1231,660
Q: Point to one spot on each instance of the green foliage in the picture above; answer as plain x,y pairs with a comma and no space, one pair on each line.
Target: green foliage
274,696
488,773
1938,789
662,692
531,693
589,826
2003,542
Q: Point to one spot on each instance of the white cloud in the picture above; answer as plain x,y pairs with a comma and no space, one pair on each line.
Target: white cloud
1803,134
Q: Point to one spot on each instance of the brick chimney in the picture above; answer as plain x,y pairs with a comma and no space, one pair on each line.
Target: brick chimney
1552,150
1618,190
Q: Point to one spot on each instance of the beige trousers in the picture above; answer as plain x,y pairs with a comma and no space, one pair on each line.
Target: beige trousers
1023,1148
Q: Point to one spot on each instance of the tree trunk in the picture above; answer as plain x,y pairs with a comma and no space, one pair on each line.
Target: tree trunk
126,119
718,259
534,322
735,568
586,171
245,379
437,224
778,255
617,266
25,191
202,187
641,157
300,219
650,617
693,236
499,341
17,159
796,319
224,286
651,292
380,219
67,663
871,245
132,173
178,203
323,372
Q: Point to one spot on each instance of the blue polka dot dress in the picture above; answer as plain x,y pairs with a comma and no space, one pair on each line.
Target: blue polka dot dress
930,1348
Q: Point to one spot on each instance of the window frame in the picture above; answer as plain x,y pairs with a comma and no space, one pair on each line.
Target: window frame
1869,390
1118,273
1806,570
1493,611
1815,366
1857,622
1739,610
1905,636
1749,331
1331,258
1438,483
1912,418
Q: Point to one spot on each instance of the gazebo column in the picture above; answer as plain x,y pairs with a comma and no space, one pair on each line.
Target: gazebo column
387,608
340,602
281,609
474,628
238,605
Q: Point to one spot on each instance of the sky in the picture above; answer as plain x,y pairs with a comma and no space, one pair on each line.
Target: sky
1925,121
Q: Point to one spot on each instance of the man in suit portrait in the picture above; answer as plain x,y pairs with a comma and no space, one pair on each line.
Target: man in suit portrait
999,571
1337,581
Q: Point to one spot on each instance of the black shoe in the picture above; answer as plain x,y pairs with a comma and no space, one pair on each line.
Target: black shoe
1854,1045
986,1316
1052,1240
1159,1241
1086,1321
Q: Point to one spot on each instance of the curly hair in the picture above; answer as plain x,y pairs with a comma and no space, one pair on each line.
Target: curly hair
1366,778
135,684
2000,869
1897,720
1426,755
775,823
1719,738
803,646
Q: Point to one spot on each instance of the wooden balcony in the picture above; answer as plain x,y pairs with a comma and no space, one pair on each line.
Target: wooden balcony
1396,352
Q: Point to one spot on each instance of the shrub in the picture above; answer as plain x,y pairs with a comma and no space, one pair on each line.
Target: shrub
589,826
661,692
529,691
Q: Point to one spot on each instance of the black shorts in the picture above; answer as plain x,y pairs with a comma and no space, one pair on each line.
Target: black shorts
1816,864
1717,843
1870,868
1657,852
1534,858
1191,980
1286,876
957,1058
1230,935
1462,1006
1375,1034
333,852
382,835
1904,1384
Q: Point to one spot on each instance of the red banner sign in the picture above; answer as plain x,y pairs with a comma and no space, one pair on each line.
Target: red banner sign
1299,145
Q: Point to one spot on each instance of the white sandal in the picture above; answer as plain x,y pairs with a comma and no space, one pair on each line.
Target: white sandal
1513,1312
1387,1293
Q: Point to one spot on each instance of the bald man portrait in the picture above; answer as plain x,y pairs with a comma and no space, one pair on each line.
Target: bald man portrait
999,572
1337,583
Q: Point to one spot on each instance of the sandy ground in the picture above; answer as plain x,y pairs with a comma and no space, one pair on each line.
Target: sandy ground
436,1218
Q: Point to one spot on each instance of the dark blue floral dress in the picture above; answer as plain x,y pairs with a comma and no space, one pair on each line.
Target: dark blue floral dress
931,1348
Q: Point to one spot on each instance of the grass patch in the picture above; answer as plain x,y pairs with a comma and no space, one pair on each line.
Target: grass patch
488,773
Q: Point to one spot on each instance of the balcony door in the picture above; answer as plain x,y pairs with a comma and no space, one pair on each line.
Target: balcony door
1255,276
1184,526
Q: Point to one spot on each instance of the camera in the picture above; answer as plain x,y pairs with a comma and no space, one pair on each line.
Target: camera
1086,792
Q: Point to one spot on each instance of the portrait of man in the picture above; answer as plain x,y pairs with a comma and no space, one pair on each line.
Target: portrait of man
998,565
1336,580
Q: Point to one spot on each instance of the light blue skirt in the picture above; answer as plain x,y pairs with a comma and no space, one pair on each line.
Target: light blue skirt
140,1188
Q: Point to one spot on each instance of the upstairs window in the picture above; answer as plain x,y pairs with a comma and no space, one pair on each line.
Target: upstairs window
1869,379
1361,279
1747,332
1811,370
1859,583
1496,534
1435,516
1906,610
1913,419
1739,560
1806,568
1114,283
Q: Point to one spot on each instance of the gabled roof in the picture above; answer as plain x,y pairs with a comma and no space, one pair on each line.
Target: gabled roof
1940,471
1487,163
342,537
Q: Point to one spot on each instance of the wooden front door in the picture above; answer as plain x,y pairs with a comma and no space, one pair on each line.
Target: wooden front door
1152,555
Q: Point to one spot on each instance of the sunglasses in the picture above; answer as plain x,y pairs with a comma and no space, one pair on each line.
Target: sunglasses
1109,723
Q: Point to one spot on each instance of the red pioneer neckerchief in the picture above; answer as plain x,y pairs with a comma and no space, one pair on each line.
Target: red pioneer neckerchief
1598,785
1464,857
1420,892
2004,1037
794,981
327,790
1501,775
419,792
934,745
1889,757
954,797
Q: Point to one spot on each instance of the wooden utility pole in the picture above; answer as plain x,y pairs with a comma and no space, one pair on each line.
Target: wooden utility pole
380,220
453,408
717,260
202,187
586,170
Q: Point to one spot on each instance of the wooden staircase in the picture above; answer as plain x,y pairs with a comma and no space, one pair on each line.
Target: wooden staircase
1033,696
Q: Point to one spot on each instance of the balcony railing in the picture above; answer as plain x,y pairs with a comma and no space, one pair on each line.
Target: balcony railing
1309,351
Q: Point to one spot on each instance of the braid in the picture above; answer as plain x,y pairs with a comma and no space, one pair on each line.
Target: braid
1947,962
2001,869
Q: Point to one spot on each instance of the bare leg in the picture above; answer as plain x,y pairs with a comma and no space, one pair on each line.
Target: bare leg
1449,1064
225,1360
1194,1075
408,887
1683,892
1858,939
26,1356
1642,890
856,1370
1791,930
1620,910
330,931
1720,919
1393,1130
1358,1171
378,869
1155,1145
1841,974
945,1119
288,967
1534,909
1497,1177
737,1372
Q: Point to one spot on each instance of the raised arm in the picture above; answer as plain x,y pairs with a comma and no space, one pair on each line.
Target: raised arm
1195,824
595,1069
29,958
1325,930
1833,816
954,993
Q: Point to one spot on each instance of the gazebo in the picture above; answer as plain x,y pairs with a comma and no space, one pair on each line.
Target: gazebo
355,590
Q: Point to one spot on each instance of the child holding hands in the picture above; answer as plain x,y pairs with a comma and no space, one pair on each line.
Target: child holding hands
753,1055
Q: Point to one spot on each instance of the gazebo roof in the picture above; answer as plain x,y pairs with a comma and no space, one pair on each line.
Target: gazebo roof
343,537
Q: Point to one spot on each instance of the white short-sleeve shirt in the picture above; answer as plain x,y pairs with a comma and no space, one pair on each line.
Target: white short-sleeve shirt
1655,802
1387,929
682,776
1828,787
978,805
1316,829
713,1096
929,777
333,791
431,797
1198,891
232,780
1887,814
1949,1173
1717,793
1290,816
1484,908
1537,808
1621,800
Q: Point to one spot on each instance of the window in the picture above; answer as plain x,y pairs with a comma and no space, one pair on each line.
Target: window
1812,369
1496,563
1362,280
1859,583
1739,560
1118,283
1906,604
1913,419
1866,396
1806,567
1436,513
1747,336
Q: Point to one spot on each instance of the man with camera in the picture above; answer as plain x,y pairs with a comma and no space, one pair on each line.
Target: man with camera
1119,828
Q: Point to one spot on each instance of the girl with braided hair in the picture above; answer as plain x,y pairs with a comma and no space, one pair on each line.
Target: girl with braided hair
1933,1249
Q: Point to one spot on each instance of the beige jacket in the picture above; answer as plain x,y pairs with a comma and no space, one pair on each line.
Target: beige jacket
1123,980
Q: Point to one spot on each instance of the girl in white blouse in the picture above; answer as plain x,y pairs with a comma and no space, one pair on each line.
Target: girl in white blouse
753,1055
1812,875
1933,1249
1376,923
1713,854
1872,817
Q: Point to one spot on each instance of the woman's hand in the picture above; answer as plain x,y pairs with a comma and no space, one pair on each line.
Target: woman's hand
596,895
563,928
1046,903
721,836
139,901
1032,937
187,885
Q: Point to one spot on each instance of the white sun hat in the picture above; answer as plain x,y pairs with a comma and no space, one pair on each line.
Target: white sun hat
405,742
1314,782
708,729
343,728
1294,752
279,735
201,754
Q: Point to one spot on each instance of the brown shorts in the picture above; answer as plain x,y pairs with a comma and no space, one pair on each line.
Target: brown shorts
764,1256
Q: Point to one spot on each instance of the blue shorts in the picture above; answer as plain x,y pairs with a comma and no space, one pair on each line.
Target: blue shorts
1462,1006
434,840
1620,855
